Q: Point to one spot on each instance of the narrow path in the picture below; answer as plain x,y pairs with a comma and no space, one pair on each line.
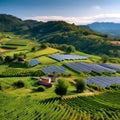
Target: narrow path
82,94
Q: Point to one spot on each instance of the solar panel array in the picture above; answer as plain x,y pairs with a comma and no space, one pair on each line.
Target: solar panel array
51,69
111,66
34,62
61,57
85,67
103,81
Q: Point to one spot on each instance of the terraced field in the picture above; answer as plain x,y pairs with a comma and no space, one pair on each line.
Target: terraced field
100,107
25,104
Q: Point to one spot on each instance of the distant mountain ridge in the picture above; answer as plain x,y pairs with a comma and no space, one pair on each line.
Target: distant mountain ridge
109,28
10,23
83,38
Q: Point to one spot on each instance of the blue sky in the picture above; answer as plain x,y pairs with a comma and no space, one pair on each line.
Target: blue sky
73,11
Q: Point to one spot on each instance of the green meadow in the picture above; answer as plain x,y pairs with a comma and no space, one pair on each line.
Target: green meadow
26,104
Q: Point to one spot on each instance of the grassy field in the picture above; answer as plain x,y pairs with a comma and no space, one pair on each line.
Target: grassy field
46,60
43,52
26,104
80,108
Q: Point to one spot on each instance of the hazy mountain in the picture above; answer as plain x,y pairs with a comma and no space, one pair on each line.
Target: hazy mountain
109,28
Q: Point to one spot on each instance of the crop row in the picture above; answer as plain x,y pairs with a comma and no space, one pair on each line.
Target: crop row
95,106
99,107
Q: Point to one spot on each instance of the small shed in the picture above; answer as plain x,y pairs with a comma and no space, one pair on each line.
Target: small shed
45,81
53,78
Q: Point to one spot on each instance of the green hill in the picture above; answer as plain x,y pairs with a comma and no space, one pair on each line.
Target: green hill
9,23
81,37
24,102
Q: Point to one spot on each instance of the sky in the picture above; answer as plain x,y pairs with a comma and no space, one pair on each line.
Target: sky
72,11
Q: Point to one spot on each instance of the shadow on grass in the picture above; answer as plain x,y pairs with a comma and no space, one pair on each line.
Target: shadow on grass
17,65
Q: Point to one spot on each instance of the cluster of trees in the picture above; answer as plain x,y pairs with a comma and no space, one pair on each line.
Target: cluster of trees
64,47
61,86
85,44
18,84
19,57
7,59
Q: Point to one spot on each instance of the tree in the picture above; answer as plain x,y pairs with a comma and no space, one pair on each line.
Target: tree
43,46
8,59
1,60
61,87
70,49
85,33
27,64
33,49
104,58
0,87
80,85
21,57
40,88
15,56
18,84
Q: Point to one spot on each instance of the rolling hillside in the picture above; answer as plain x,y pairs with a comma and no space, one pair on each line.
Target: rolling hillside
25,102
81,37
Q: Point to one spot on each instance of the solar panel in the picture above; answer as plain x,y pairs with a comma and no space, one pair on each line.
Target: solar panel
34,62
61,57
111,66
51,69
103,81
85,67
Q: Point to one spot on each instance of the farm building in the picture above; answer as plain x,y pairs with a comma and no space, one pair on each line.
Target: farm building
34,62
46,81
53,78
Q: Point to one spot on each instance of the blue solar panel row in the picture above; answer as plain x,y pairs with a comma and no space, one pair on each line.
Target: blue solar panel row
51,69
61,57
85,67
34,62
111,66
103,81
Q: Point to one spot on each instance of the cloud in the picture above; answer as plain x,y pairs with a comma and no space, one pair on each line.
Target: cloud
79,20
75,20
97,8
106,18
